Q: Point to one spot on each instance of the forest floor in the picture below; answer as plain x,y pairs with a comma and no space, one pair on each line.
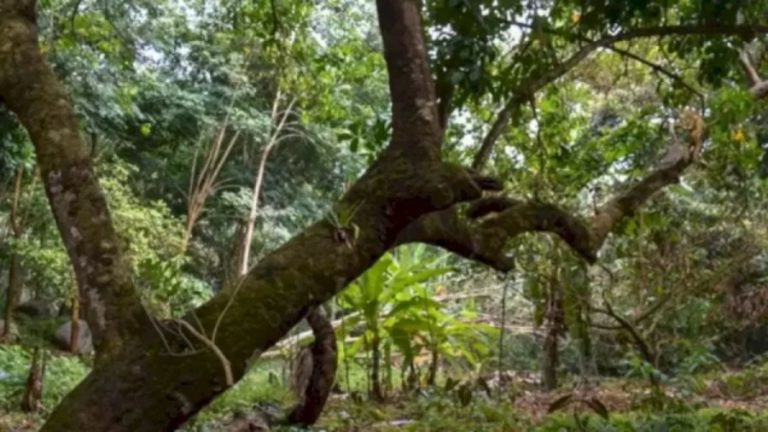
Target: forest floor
721,400
734,401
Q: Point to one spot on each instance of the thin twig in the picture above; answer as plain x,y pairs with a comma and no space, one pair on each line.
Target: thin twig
225,364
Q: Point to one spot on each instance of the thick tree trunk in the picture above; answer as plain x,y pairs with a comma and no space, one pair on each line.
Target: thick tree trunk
146,389
30,89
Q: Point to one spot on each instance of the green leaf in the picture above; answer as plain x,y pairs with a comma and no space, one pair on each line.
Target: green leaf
145,129
413,279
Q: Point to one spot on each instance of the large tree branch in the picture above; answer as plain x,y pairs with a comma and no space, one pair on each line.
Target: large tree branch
485,240
528,87
30,89
481,233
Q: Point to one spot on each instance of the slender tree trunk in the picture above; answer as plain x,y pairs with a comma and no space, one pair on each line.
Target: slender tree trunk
279,123
388,367
203,180
12,297
189,225
74,335
414,376
33,393
243,259
376,392
13,294
549,373
551,341
648,353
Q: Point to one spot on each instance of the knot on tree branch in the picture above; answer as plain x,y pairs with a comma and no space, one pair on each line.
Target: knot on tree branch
449,184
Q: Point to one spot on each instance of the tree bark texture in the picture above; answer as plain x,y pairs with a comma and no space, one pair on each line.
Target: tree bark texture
31,90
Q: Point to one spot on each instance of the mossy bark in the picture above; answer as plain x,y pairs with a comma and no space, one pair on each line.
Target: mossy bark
30,89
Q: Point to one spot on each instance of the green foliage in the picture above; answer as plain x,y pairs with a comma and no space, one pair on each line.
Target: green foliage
430,411
395,298
62,374
702,421
747,383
